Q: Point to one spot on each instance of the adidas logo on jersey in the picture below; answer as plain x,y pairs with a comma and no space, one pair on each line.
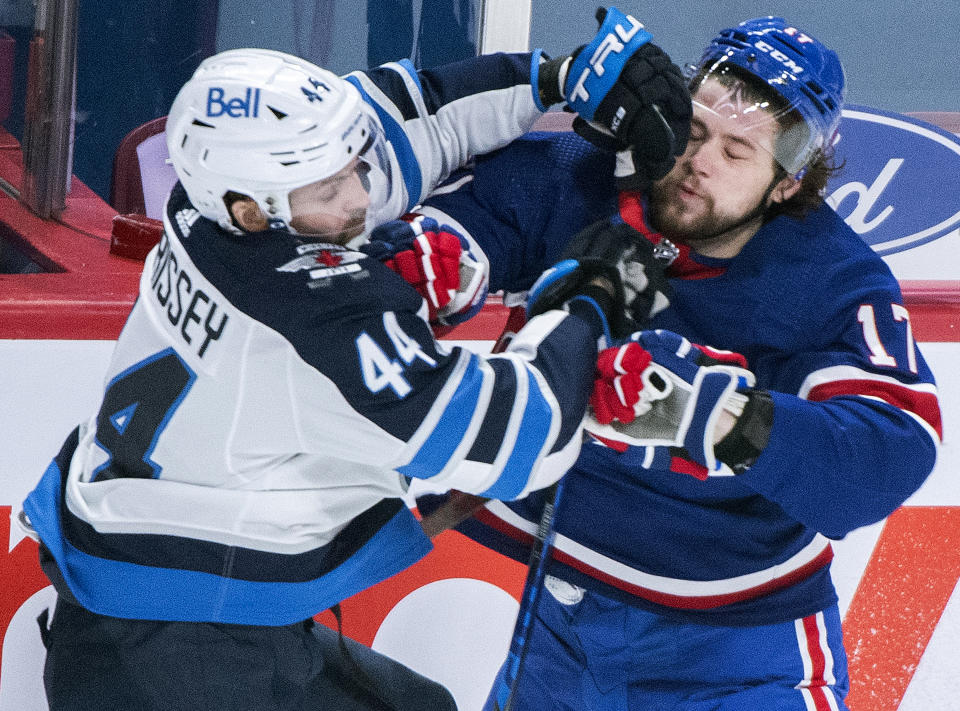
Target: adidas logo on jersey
185,219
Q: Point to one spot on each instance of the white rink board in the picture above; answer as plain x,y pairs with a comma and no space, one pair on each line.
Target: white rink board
49,386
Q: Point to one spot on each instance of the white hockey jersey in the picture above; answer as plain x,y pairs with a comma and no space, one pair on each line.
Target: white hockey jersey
270,398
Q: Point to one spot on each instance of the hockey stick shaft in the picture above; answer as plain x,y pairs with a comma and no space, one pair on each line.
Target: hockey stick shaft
532,587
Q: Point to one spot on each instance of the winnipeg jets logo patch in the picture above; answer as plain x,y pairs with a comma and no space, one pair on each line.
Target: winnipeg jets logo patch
324,261
329,259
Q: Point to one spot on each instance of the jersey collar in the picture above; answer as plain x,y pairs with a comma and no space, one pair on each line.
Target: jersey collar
687,265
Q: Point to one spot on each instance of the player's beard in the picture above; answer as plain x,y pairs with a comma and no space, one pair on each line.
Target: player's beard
354,227
693,221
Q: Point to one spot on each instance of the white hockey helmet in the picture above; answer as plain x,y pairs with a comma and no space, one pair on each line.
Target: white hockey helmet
262,123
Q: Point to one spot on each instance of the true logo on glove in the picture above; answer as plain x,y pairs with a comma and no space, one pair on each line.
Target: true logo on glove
613,43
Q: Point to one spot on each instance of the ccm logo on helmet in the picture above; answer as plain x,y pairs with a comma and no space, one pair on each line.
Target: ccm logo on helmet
780,57
246,107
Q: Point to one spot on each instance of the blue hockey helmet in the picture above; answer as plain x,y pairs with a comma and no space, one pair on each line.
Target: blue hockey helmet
806,77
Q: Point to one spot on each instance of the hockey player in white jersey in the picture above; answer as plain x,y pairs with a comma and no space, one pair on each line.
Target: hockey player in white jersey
275,390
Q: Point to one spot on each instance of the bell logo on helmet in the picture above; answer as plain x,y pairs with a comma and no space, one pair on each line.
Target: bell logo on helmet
237,107
288,139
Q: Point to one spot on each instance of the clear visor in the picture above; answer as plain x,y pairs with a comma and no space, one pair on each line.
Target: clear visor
760,119
336,208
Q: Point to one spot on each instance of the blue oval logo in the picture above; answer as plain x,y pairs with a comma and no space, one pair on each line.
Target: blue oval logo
900,186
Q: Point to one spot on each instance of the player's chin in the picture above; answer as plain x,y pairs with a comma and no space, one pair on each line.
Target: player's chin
353,229
341,235
676,220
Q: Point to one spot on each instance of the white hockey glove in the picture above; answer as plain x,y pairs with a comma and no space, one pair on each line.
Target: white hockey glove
621,255
436,261
661,390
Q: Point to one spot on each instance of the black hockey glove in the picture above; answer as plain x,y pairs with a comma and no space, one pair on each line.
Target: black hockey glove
633,100
618,254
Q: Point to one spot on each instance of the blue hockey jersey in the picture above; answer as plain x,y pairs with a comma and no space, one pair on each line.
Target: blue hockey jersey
820,320
271,397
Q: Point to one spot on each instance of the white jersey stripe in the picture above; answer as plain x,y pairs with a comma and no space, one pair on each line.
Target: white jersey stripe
919,400
818,674
613,571
848,372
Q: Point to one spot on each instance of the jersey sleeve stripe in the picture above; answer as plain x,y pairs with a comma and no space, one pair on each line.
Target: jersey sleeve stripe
559,343
532,439
442,86
451,427
396,83
920,401
496,419
407,66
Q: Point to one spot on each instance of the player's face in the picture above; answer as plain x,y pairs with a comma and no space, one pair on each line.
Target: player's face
713,195
334,208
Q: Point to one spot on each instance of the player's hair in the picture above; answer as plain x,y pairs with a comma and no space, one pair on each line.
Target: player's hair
813,187
229,199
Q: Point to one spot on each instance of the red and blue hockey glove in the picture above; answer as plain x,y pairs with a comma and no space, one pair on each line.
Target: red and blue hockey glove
677,399
619,392
436,261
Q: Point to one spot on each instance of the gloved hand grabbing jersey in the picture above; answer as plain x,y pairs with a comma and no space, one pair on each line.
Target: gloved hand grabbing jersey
629,97
435,260
658,389
615,253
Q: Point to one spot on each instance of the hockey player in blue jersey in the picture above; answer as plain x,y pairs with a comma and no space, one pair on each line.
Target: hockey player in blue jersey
275,390
690,568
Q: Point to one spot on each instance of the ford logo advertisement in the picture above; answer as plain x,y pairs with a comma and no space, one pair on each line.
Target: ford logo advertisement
900,185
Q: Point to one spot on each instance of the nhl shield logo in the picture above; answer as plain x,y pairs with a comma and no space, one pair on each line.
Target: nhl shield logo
900,184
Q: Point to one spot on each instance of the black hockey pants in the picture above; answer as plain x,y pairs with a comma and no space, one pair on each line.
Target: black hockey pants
97,663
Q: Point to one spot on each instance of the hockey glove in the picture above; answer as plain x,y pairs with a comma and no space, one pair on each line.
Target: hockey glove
437,262
620,392
677,399
631,98
592,71
621,255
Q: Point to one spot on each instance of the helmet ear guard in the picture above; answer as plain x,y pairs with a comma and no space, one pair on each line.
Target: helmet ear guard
262,123
804,78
